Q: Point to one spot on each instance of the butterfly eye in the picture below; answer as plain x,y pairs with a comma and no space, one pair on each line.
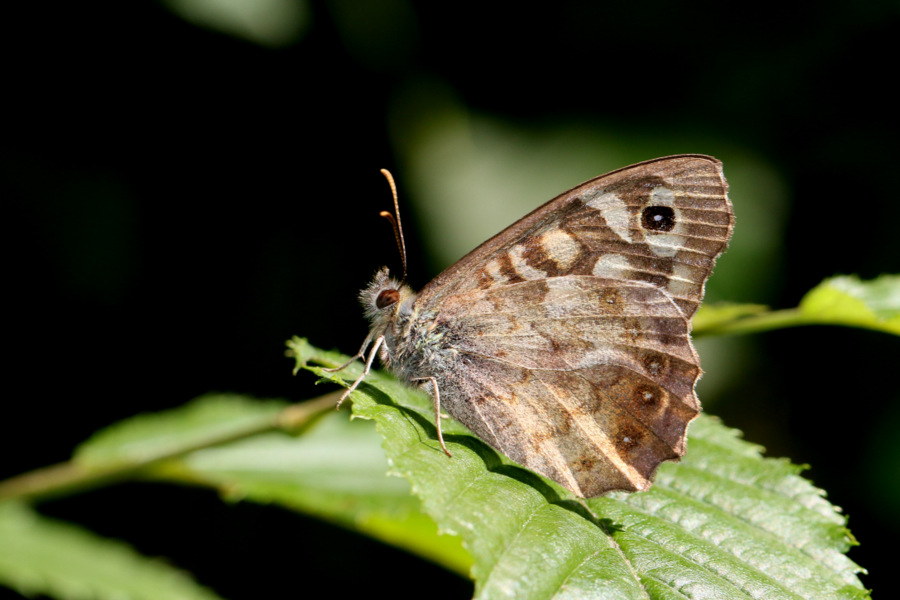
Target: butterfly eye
658,218
386,298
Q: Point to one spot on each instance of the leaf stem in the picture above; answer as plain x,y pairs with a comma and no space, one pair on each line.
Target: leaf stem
71,476
765,321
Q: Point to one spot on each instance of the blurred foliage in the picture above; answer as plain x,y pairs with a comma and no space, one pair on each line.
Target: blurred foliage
43,556
274,23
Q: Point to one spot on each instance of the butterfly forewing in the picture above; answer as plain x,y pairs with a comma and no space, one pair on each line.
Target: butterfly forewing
664,222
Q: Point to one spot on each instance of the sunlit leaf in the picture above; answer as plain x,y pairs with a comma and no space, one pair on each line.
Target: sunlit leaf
847,300
724,523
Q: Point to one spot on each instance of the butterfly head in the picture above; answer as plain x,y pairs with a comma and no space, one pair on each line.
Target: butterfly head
384,298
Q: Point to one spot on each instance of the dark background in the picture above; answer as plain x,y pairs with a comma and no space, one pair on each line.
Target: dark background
179,201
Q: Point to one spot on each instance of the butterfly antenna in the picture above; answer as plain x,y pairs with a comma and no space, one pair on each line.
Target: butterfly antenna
398,229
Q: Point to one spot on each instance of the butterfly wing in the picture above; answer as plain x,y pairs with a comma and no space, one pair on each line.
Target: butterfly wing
567,340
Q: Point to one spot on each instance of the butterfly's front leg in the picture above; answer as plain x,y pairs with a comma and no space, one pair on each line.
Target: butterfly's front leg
437,410
360,354
372,354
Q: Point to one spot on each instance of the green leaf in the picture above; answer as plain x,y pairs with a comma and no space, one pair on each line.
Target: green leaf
750,521
42,556
847,300
147,437
844,300
724,523
336,470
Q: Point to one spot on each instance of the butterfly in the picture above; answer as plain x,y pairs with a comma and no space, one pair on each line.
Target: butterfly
564,340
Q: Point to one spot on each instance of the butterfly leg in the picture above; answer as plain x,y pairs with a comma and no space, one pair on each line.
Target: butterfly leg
437,411
360,354
372,354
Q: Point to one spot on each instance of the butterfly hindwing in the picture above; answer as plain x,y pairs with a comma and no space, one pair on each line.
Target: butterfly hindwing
596,371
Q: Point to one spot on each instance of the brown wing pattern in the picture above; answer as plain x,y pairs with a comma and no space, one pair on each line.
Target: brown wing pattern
663,222
598,372
569,331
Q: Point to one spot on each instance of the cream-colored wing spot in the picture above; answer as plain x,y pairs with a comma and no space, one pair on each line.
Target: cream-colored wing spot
612,266
616,213
662,196
683,281
561,247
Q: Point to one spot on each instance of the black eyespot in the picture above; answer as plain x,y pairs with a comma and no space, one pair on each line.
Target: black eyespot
658,218
386,298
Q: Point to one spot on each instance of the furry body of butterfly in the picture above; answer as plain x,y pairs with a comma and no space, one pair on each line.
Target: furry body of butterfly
564,341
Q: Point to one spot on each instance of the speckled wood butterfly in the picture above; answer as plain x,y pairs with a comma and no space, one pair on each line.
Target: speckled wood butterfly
564,341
